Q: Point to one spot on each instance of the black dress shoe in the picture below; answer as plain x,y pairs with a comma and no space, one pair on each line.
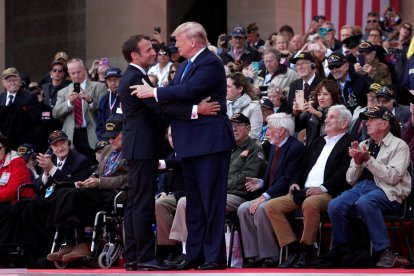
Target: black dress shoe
176,260
269,263
186,265
132,266
291,260
302,261
250,262
212,266
153,265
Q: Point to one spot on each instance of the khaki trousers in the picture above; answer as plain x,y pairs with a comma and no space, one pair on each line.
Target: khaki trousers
277,208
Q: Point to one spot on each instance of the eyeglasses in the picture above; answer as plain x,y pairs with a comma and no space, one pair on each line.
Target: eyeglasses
372,21
57,70
302,64
11,80
162,54
331,67
172,72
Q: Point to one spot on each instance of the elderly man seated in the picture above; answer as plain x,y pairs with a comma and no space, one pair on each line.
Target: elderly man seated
76,208
319,178
259,242
380,180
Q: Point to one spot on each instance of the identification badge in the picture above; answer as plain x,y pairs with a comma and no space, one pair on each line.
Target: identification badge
4,178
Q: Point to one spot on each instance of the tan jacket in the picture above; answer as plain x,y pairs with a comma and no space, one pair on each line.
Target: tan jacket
390,168
62,112
119,179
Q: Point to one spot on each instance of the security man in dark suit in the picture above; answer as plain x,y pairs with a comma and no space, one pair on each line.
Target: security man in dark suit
204,145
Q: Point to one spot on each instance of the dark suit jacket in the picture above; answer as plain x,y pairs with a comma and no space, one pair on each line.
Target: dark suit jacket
76,168
336,165
28,103
291,155
207,134
143,131
173,182
298,85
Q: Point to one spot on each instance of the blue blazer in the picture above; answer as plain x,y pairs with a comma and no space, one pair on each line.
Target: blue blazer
143,132
207,134
291,155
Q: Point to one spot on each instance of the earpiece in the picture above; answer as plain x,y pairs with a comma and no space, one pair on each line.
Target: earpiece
313,65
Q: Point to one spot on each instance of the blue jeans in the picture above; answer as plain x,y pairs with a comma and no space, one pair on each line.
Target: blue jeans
368,201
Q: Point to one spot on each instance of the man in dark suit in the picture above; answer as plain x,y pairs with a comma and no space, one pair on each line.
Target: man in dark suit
19,112
142,136
305,66
203,144
259,242
320,177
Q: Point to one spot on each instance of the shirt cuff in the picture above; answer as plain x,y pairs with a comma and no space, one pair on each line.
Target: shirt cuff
261,182
323,189
44,178
194,112
266,195
69,104
53,171
155,94
162,165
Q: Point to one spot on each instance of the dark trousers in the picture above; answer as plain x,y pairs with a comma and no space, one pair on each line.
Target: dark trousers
140,211
81,144
205,179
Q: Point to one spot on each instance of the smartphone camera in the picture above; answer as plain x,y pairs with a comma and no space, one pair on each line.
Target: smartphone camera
76,87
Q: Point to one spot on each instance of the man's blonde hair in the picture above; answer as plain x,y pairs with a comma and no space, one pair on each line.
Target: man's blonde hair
192,30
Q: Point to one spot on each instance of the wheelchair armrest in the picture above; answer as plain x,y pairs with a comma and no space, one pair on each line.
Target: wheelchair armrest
25,186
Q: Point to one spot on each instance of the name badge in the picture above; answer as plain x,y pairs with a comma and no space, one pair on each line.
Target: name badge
4,178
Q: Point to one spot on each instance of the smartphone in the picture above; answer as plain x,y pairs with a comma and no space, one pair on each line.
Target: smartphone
300,98
361,59
104,61
255,65
76,87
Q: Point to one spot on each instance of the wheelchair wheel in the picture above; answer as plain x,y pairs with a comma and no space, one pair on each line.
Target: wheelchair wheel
60,265
109,255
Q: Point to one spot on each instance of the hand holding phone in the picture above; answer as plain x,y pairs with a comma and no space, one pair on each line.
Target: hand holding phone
300,99
76,87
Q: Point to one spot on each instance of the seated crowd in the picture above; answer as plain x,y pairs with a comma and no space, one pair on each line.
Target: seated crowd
323,127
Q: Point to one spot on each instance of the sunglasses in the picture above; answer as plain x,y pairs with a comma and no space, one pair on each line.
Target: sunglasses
331,67
407,28
172,72
372,21
57,70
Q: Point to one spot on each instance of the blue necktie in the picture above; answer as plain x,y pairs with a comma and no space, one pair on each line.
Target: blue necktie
187,67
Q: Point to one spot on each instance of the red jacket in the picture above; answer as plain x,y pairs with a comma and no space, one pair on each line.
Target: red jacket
13,173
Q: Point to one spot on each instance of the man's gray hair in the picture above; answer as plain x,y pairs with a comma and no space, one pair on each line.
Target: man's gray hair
282,120
192,30
344,113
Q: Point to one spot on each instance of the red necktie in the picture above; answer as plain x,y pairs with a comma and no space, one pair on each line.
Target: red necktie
273,167
77,108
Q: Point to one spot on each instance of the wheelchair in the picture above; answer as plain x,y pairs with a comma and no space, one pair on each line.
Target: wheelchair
106,241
